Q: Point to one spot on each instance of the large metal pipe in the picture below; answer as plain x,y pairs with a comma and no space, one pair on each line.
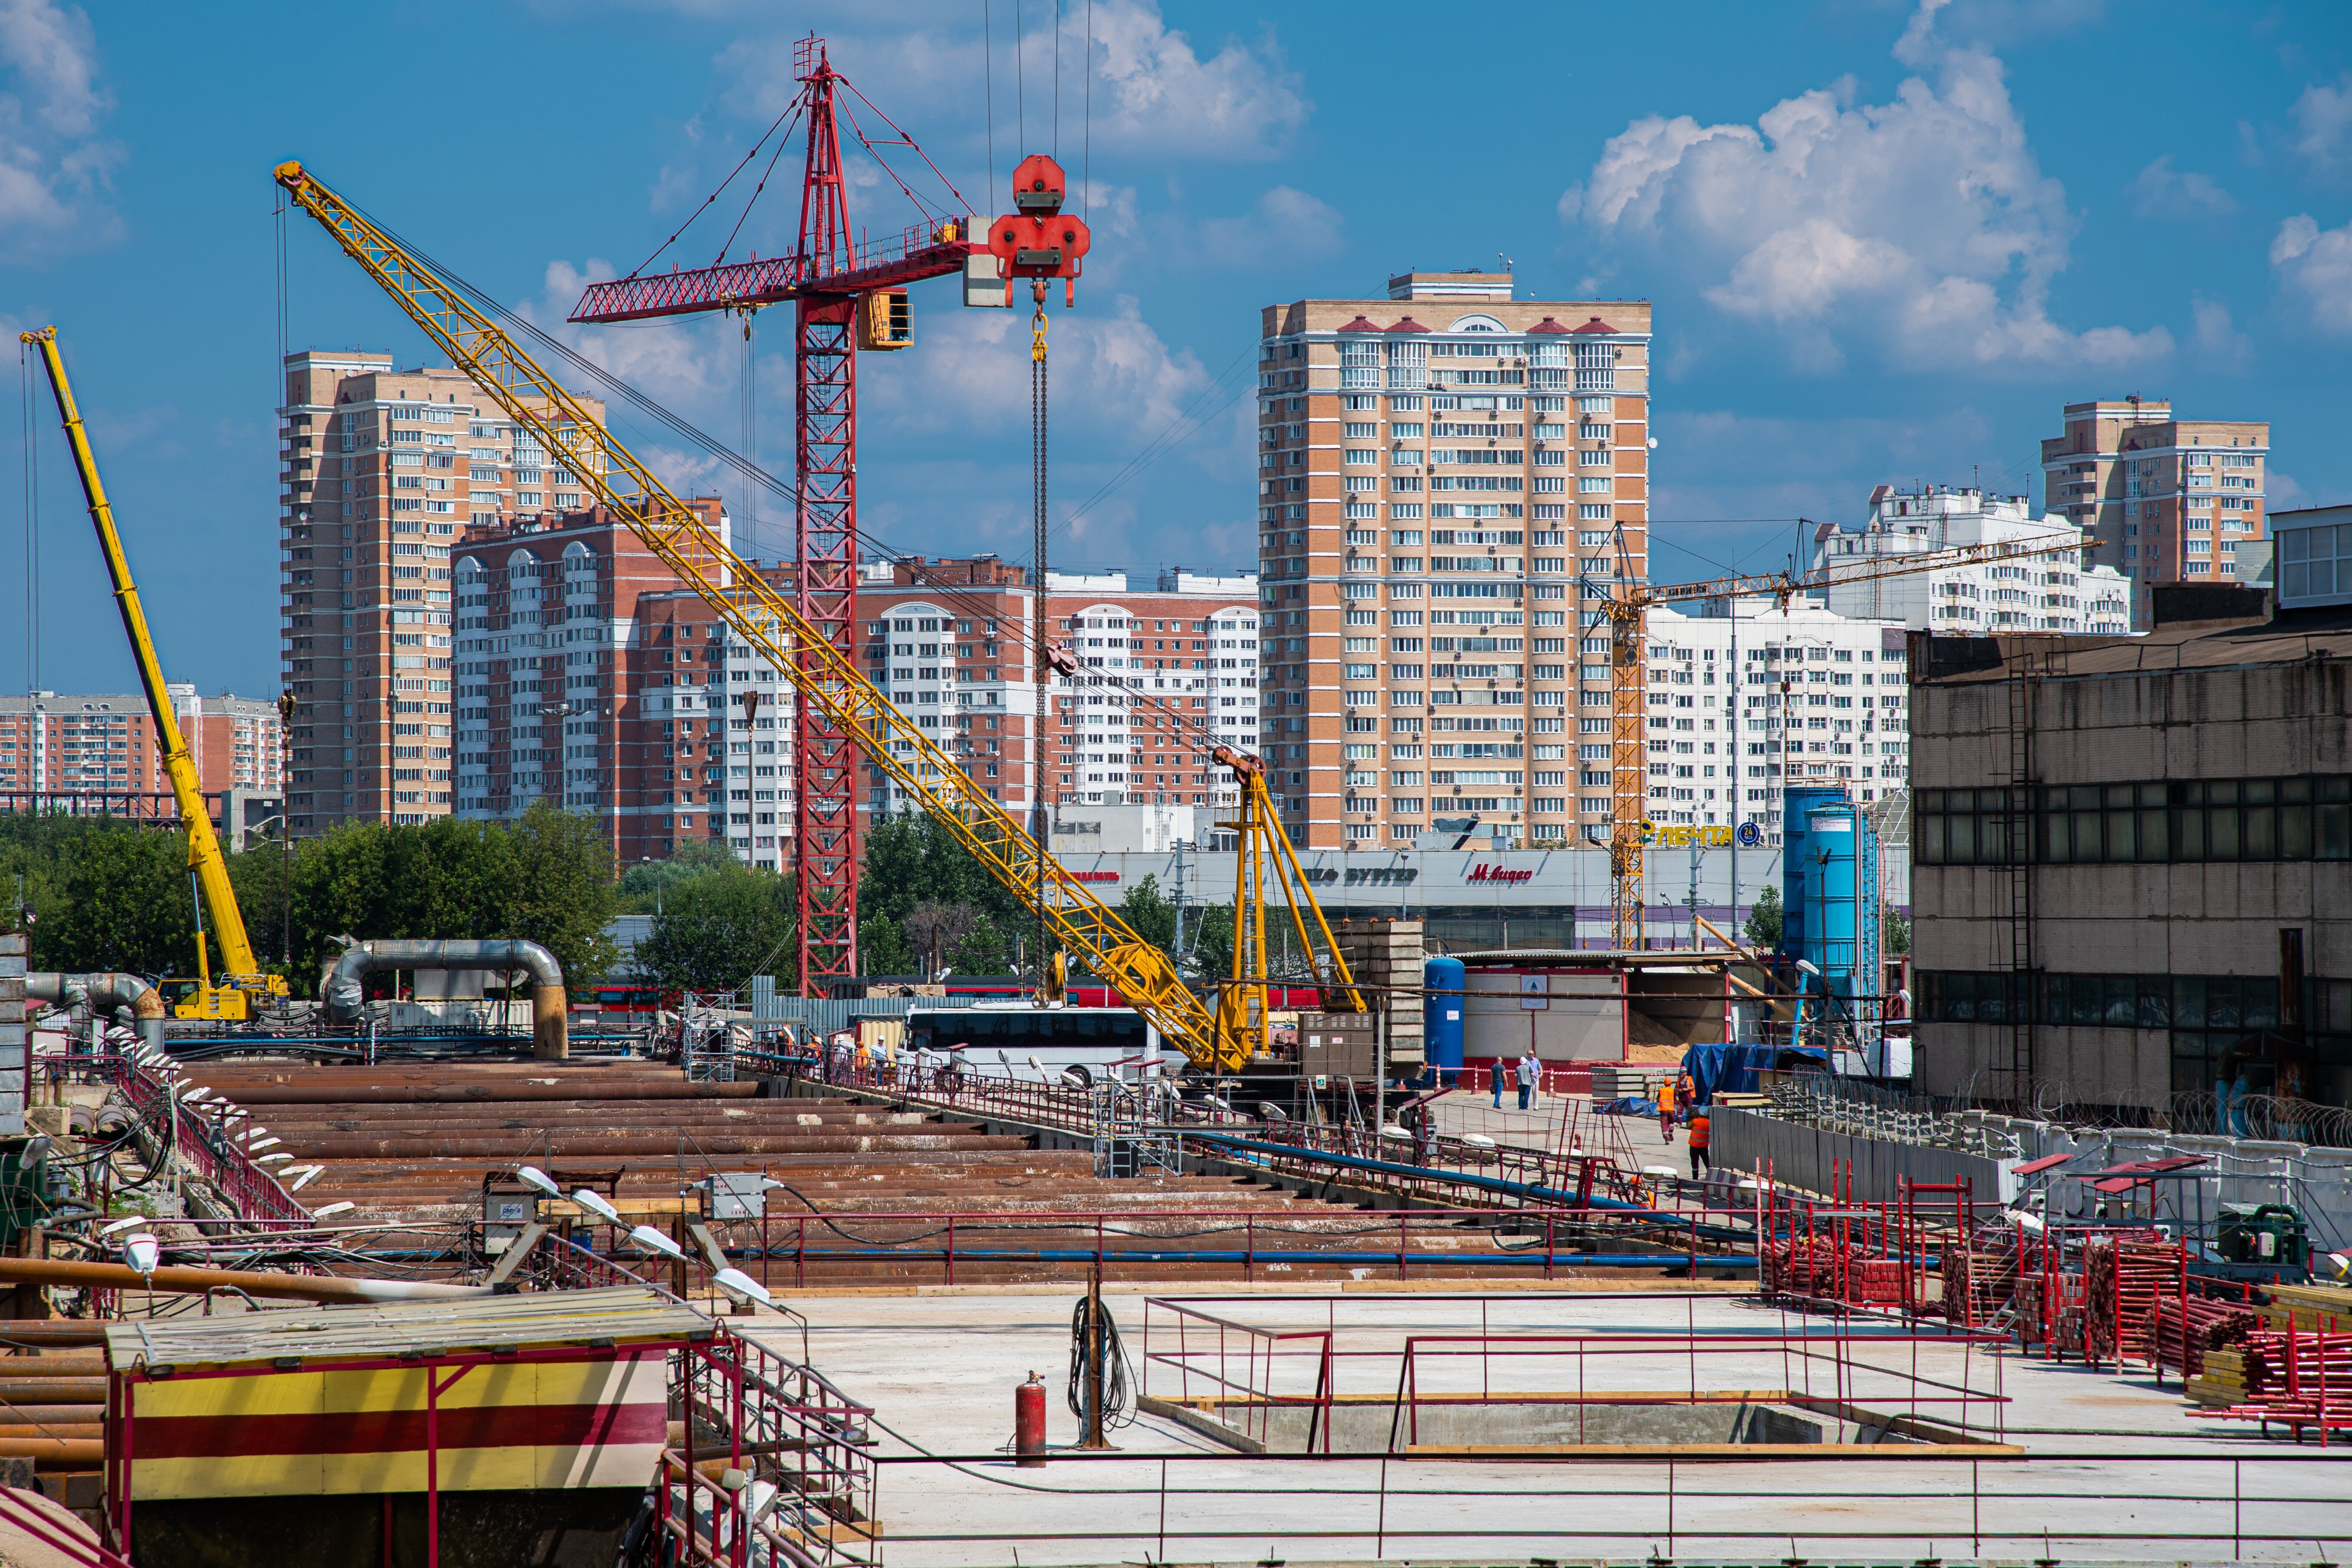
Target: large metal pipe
177,1278
103,994
549,1042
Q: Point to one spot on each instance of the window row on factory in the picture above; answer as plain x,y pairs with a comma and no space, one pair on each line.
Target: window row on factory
2208,1016
2307,818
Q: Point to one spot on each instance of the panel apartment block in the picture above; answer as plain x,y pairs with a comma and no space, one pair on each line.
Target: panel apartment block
1165,673
82,743
2165,499
1437,470
380,470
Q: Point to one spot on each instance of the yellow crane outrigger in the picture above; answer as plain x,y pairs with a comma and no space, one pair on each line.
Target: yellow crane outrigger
1230,1038
242,979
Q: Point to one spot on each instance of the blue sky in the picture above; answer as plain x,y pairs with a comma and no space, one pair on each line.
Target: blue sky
1886,242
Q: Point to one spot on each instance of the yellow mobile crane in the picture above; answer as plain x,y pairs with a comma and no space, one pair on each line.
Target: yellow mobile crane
1627,604
242,980
1229,1038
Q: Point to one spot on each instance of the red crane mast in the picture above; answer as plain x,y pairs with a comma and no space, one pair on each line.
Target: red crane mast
831,280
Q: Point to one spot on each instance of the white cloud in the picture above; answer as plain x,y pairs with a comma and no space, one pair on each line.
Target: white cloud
1923,226
2161,192
53,161
2316,265
1286,226
1159,94
2322,122
2215,340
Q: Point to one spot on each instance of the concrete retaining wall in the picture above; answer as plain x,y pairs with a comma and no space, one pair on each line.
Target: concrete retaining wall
1808,1157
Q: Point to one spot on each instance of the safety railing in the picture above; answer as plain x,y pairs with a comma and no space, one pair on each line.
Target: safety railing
209,1148
796,1480
1234,1374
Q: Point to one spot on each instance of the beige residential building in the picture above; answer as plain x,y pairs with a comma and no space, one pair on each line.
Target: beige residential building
2161,500
381,468
1437,469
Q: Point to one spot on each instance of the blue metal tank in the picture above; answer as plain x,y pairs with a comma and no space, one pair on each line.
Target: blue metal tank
1797,804
1442,1010
1833,901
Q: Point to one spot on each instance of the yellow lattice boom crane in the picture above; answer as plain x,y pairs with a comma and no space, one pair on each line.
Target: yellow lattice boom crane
1228,1039
242,980
1627,604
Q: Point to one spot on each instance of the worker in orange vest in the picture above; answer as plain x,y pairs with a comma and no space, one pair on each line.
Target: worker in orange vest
1667,1110
1698,1136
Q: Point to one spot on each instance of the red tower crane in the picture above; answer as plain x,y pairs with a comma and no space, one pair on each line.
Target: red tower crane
842,293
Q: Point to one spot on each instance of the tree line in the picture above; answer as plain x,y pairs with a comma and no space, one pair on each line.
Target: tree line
98,893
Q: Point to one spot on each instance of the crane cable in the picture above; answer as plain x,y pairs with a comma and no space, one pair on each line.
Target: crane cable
1037,474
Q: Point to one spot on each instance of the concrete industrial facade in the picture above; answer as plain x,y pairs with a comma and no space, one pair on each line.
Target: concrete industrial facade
2133,858
1430,494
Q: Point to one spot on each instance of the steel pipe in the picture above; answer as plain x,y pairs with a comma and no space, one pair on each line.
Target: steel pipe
108,990
177,1279
549,1042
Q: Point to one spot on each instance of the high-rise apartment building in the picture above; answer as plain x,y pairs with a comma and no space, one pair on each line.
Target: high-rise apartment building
568,691
1164,673
2163,500
68,743
2053,592
1743,704
1430,493
379,470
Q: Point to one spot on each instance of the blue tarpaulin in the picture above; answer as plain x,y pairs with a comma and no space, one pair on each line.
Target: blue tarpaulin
1732,1069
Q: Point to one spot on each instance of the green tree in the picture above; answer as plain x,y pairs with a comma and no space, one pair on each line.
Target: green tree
125,902
1897,929
562,894
1149,914
1764,918
717,930
645,885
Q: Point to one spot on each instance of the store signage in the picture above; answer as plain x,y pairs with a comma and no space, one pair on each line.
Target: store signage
1094,876
1684,837
1482,872
1751,835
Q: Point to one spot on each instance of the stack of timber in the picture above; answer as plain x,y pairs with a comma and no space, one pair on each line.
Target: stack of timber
2287,1378
2123,1278
2186,1330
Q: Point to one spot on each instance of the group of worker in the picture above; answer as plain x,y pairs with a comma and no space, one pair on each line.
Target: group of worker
1678,1099
1528,1072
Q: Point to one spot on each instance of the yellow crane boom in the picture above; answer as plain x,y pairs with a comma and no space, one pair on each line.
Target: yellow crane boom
205,862
768,621
1628,607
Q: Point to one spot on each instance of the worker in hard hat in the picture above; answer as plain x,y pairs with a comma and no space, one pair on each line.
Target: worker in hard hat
1698,1140
1667,1110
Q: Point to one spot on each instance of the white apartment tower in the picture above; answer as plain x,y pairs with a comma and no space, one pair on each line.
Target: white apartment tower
2052,593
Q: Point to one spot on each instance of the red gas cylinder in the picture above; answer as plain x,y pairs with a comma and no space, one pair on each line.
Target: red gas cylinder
1029,1424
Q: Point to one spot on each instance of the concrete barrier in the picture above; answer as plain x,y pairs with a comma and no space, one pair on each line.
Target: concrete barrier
1812,1158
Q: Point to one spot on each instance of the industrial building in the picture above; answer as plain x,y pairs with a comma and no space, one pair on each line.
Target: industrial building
2133,857
1429,493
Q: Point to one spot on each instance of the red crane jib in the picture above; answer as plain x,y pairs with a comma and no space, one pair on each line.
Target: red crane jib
764,282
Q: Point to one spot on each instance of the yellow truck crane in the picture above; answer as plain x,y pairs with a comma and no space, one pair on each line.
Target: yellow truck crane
242,982
1229,1038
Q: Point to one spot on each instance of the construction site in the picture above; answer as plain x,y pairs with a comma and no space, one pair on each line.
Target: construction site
1125,1264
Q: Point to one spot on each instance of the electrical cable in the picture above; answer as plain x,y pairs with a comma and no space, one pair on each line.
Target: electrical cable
791,112
1117,1375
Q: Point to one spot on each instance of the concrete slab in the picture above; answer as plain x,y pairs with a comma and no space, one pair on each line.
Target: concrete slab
2114,1471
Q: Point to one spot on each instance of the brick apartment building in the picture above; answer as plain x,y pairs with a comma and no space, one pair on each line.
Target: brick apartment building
380,471
565,691
1429,493
1165,673
69,743
2163,500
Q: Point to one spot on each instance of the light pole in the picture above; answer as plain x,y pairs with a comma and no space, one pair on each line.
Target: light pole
285,706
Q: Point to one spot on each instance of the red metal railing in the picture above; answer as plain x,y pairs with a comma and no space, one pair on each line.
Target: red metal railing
209,1148
1239,1365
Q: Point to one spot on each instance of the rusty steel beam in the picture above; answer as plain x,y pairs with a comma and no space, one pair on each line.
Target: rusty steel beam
177,1279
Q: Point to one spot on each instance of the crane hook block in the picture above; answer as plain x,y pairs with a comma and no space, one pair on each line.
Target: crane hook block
1060,659
1040,240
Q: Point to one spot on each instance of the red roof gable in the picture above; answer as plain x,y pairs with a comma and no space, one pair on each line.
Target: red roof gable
1548,326
1407,324
1598,328
1361,325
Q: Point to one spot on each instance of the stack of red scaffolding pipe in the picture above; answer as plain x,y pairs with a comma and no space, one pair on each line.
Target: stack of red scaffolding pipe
2125,1276
2295,1378
2183,1329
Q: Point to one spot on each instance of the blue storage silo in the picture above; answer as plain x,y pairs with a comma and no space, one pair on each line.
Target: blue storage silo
1833,917
1444,980
1796,803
